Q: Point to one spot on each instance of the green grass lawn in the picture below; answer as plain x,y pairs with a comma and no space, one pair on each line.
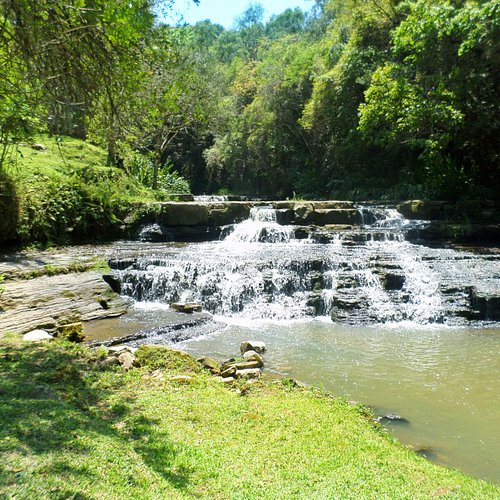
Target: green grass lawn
72,429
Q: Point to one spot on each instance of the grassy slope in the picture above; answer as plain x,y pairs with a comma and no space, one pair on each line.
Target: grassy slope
65,192
72,429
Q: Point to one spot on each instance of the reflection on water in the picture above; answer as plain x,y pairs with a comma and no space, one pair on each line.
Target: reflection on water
444,381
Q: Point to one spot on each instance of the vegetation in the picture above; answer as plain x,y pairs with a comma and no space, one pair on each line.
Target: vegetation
66,193
382,98
72,428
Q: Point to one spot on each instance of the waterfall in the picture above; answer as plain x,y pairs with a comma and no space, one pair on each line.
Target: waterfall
261,227
364,275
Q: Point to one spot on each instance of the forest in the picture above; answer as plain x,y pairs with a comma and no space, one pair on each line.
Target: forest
360,99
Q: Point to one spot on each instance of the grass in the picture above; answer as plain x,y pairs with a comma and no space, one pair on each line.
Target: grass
71,429
65,193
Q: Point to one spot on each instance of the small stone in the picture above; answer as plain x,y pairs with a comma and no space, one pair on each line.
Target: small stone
187,308
127,360
253,356
226,364
210,364
252,345
183,379
225,380
393,419
116,350
247,365
229,372
109,361
37,335
38,147
158,375
250,373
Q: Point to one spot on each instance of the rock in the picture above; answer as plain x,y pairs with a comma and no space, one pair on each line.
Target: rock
486,306
229,372
210,364
182,379
187,308
323,217
116,350
225,380
38,147
393,419
252,345
250,373
253,356
37,335
127,360
185,214
72,332
109,361
228,363
51,300
394,281
113,282
247,365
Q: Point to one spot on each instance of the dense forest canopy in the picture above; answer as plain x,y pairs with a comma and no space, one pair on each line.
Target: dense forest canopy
371,98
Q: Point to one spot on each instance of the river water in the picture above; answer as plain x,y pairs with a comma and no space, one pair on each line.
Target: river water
409,335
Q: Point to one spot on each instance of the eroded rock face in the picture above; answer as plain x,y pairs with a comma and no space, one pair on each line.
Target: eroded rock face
52,301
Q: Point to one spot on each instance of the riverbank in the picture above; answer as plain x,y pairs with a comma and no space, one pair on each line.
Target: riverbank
73,427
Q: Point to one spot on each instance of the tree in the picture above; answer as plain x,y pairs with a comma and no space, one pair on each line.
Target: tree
439,94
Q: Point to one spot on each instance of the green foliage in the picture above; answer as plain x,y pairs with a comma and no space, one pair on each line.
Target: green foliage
168,180
437,94
63,194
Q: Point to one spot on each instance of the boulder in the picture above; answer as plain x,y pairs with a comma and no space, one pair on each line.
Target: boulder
303,212
486,306
252,345
422,209
252,356
284,216
394,281
37,335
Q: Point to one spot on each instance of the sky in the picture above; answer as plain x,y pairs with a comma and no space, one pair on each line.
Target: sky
225,11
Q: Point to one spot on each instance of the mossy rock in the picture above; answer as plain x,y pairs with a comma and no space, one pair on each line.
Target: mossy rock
72,332
155,357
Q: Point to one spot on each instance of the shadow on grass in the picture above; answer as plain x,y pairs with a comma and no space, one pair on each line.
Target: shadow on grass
53,400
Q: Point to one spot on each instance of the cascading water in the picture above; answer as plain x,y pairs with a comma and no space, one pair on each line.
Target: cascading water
360,276
261,227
